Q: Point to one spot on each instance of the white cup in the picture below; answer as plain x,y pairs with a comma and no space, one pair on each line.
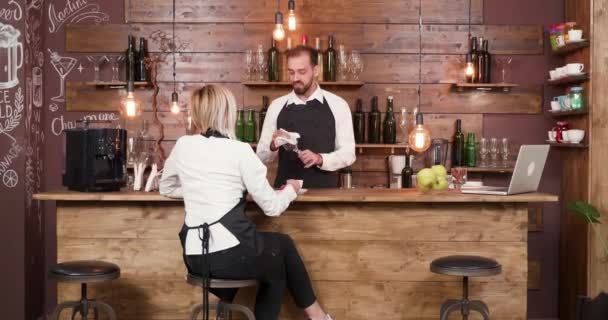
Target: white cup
551,135
555,106
576,135
574,68
575,35
560,40
565,137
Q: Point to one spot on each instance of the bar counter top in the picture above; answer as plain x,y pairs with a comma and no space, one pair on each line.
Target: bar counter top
321,195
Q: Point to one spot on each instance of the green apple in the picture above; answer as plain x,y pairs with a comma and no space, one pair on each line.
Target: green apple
425,179
441,183
439,170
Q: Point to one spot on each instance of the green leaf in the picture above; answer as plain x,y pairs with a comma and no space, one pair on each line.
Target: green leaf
585,211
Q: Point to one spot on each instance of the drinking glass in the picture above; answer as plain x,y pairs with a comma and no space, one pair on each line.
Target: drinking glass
403,124
260,59
459,177
484,150
116,61
356,64
249,64
343,67
504,65
494,147
97,62
505,152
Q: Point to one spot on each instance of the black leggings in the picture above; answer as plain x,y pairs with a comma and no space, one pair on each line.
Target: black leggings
277,267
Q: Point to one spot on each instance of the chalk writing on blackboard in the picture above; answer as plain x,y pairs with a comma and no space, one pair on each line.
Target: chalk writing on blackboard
9,42
75,11
63,66
12,12
58,124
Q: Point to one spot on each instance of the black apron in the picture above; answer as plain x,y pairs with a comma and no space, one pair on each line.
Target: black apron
316,125
236,222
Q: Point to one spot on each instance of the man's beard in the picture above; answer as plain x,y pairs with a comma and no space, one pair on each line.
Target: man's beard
303,89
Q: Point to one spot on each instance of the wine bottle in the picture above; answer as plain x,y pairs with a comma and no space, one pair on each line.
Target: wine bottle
481,62
359,122
273,62
239,128
389,127
142,73
458,146
319,58
284,69
262,114
130,57
470,151
249,132
374,123
329,68
474,58
407,173
487,67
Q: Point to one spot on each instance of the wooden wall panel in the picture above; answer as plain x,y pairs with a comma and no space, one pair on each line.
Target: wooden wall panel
368,38
309,11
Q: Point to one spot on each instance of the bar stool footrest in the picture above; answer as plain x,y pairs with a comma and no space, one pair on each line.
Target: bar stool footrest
229,307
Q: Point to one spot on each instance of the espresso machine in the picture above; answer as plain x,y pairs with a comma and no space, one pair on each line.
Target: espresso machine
95,158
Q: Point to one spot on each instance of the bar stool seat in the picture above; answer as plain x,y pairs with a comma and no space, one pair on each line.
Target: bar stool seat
465,267
222,307
83,272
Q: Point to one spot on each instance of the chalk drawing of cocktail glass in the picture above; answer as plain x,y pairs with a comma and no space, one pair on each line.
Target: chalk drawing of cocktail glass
63,66
116,61
97,61
11,56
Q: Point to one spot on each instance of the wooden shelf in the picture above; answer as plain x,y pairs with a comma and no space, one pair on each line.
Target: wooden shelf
490,170
569,80
569,113
283,83
568,145
505,87
571,47
117,84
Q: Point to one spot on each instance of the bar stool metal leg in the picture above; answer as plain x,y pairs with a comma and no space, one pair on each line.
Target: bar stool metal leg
63,306
104,306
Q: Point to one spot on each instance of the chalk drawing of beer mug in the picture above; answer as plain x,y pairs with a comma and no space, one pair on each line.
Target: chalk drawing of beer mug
11,56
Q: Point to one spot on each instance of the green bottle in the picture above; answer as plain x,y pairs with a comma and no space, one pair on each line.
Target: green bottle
470,151
374,123
239,128
359,122
273,62
330,63
262,114
389,127
249,135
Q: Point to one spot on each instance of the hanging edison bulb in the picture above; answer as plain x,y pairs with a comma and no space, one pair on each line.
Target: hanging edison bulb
279,33
130,106
419,138
291,17
174,103
469,68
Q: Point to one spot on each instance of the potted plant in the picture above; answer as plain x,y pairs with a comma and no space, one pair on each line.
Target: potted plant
590,214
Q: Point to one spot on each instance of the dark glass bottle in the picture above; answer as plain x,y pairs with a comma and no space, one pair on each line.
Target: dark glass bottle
407,173
329,67
470,151
481,62
142,73
458,146
130,57
474,58
239,128
389,127
359,122
374,123
273,62
487,67
262,114
249,132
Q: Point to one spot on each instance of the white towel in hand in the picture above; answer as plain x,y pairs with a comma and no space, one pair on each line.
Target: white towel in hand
292,139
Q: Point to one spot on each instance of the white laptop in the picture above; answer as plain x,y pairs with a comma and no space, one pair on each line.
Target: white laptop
526,174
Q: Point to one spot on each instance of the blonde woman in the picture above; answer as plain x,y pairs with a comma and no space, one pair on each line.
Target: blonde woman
212,172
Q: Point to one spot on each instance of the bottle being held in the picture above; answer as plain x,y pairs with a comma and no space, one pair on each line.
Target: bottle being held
285,72
407,172
142,72
330,63
458,146
319,58
374,122
273,62
262,114
359,122
130,57
487,67
470,151
474,59
389,127
481,62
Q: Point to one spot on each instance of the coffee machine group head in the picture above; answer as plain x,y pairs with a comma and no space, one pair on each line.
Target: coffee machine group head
95,159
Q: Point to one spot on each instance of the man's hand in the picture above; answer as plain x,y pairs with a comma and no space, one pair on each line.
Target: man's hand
310,158
276,134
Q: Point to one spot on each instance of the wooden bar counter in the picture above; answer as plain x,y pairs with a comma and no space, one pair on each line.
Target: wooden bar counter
367,250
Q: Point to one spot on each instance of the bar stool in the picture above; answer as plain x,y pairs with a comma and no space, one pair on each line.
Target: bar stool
83,272
465,266
223,306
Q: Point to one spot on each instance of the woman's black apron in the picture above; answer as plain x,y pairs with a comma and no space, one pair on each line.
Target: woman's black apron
316,125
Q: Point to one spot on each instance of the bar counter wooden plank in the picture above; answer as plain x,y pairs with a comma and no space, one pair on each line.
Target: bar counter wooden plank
367,250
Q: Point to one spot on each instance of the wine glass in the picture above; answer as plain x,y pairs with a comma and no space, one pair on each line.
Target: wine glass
494,152
116,61
483,152
459,177
343,66
249,64
356,64
505,151
97,61
504,65
403,124
260,59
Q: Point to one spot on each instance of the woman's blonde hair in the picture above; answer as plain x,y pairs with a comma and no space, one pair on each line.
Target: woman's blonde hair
214,107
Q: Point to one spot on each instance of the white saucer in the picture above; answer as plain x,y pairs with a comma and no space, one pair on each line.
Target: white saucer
576,74
576,41
554,111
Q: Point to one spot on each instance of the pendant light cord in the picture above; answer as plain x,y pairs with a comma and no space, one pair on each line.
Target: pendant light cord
420,52
174,45
469,19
